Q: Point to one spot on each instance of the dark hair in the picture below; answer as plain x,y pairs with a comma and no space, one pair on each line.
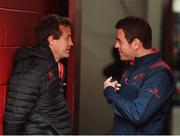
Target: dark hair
49,25
136,27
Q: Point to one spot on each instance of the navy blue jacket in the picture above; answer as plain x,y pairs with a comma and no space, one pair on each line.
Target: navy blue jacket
144,101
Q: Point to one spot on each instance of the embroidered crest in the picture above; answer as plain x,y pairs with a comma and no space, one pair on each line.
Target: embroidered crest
138,76
50,75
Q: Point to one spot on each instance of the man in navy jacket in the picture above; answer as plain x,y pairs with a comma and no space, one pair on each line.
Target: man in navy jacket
141,101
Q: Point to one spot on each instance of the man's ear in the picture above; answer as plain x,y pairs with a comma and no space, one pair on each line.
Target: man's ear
51,40
136,44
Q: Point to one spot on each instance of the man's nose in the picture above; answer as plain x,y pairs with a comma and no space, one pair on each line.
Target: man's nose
70,42
116,45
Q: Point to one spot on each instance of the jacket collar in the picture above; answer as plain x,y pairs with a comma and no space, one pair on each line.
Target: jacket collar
147,58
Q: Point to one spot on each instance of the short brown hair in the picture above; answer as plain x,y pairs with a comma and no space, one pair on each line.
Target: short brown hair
136,27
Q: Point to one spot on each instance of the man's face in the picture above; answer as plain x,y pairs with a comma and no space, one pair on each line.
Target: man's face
61,47
126,52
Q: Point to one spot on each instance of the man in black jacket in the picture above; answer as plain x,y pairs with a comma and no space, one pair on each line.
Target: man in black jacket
35,104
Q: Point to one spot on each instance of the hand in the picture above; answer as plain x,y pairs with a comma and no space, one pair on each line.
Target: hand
114,84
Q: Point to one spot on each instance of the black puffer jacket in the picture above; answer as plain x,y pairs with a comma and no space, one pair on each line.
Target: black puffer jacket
35,104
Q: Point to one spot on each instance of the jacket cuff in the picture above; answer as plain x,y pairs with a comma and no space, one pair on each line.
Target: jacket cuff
110,94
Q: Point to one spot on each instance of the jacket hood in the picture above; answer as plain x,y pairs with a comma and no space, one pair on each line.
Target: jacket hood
24,53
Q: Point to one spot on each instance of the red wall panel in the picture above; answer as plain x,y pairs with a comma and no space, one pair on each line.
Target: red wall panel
1,126
17,28
2,101
3,96
6,59
2,27
20,28
24,5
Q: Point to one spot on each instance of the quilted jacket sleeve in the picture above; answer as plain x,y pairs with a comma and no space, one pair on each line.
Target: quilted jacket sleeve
22,96
155,91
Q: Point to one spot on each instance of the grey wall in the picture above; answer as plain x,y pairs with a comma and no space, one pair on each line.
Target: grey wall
154,17
98,18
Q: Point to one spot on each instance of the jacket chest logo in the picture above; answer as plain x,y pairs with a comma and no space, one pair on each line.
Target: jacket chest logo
138,76
50,75
136,79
